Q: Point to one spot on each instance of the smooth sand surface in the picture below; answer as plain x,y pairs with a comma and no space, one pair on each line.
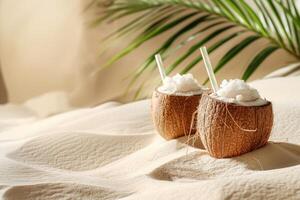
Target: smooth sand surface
113,152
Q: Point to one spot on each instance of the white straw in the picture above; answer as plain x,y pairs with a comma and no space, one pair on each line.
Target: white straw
160,66
209,69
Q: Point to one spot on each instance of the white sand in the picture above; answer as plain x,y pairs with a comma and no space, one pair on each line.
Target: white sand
112,152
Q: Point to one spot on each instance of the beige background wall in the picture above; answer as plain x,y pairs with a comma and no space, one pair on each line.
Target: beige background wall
46,45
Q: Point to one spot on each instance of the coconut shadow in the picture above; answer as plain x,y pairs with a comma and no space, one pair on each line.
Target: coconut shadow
275,155
192,141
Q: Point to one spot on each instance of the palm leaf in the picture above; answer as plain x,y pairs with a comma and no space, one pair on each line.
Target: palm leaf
195,47
280,21
171,40
185,21
258,59
233,52
254,18
211,49
143,38
145,19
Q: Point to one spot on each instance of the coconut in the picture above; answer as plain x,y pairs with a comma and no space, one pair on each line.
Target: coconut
230,129
174,106
174,115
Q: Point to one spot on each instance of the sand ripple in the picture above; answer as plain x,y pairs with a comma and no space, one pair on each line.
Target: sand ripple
200,166
78,151
61,191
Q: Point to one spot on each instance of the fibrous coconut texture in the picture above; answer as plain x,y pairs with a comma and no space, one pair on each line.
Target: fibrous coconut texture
181,85
239,92
174,115
174,106
228,129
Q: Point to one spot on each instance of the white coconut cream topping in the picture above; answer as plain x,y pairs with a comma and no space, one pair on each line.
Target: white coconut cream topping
239,92
183,85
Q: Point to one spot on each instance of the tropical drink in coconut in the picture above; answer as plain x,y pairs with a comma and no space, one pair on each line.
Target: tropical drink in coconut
174,105
234,119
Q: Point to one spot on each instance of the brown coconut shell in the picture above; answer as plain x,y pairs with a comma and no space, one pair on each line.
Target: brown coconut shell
173,115
228,129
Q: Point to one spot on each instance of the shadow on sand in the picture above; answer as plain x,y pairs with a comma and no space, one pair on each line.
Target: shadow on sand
191,141
274,155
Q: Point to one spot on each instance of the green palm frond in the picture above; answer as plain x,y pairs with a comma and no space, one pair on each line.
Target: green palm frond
184,21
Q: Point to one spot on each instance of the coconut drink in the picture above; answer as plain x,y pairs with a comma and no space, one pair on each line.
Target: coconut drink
174,104
234,119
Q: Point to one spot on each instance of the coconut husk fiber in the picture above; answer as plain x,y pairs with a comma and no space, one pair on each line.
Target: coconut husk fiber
228,129
173,115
